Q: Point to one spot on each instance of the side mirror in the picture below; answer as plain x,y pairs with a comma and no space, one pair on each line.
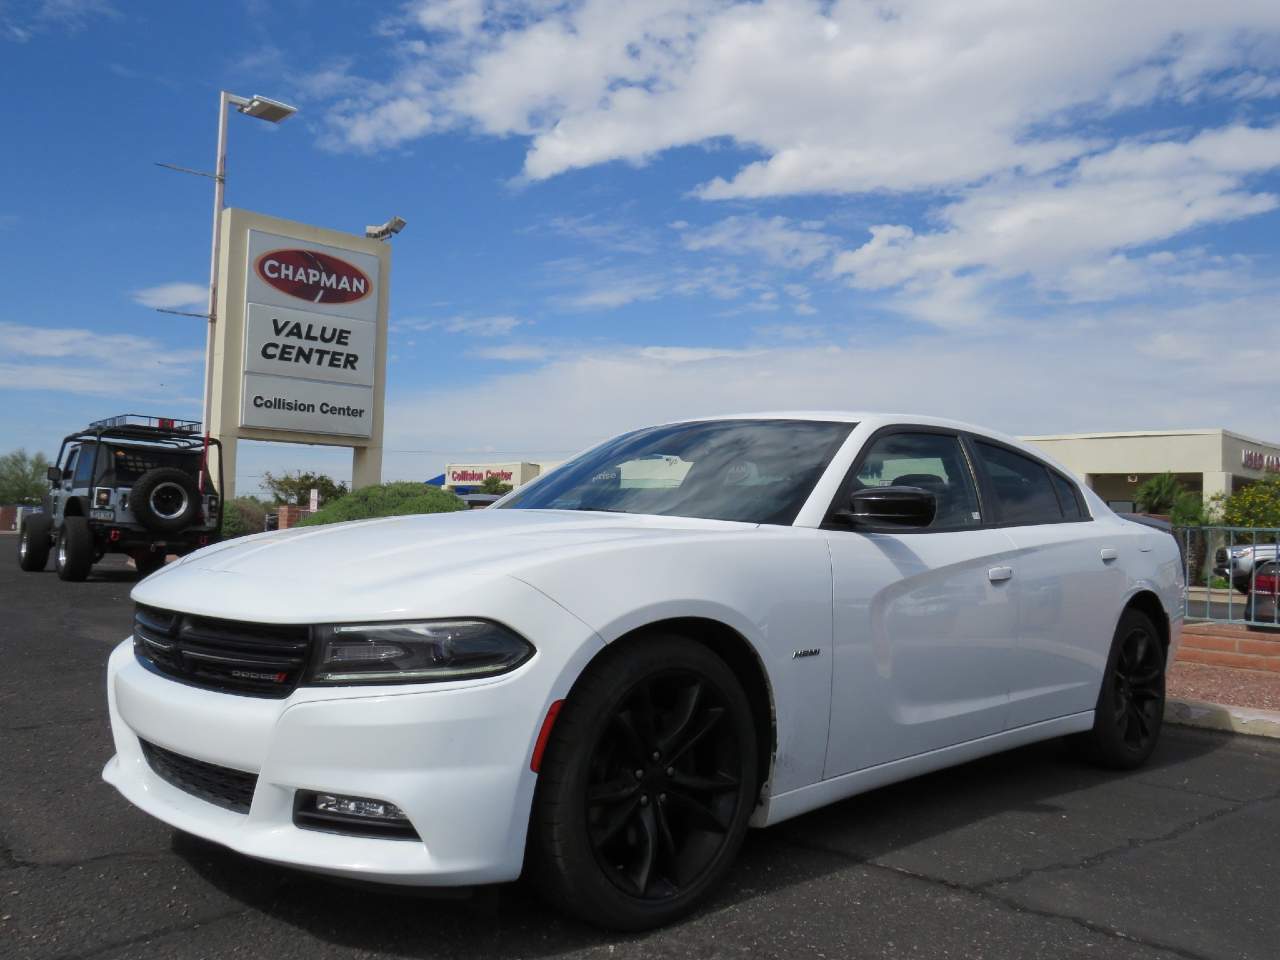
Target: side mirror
892,507
54,475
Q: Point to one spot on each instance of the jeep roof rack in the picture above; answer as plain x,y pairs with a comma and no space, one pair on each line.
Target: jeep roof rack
138,421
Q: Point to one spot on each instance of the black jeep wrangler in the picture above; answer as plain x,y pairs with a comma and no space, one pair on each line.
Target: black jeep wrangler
130,484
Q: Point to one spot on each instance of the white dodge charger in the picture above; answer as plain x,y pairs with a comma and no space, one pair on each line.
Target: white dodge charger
603,680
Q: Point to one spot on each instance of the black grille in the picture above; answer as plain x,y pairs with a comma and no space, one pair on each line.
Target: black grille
258,659
230,789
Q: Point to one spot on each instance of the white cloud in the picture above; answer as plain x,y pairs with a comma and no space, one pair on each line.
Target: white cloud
173,296
73,360
1135,369
1069,233
838,97
496,326
779,241
36,16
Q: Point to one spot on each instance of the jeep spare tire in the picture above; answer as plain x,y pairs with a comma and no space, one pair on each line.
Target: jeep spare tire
165,499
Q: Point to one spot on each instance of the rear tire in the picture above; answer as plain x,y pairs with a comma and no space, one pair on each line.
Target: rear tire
1130,709
646,787
75,549
33,545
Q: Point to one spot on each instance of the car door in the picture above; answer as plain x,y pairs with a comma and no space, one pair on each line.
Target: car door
1069,584
923,619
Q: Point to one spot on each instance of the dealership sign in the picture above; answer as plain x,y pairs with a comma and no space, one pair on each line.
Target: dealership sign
1257,460
310,337
313,276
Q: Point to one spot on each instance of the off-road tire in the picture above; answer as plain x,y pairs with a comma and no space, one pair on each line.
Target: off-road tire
1130,709
566,856
75,550
175,486
33,545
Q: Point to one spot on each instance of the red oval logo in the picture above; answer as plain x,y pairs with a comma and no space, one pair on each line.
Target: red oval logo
313,276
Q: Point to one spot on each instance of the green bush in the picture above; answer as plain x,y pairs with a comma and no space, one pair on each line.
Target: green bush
387,500
243,516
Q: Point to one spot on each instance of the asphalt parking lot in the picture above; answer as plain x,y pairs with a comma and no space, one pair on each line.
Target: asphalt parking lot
1030,854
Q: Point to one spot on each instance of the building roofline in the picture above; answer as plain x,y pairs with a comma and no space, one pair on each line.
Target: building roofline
1206,432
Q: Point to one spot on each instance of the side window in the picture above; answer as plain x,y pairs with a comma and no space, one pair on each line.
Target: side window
69,468
1022,486
1067,497
84,466
931,461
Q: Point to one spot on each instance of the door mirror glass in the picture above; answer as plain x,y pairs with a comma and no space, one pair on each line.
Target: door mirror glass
54,475
892,506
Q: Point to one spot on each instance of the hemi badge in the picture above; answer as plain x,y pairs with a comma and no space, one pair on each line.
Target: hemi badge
807,652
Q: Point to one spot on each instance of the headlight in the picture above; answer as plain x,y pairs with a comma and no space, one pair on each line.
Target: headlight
431,650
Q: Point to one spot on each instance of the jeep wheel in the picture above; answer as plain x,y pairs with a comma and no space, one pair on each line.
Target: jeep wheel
33,545
75,549
165,500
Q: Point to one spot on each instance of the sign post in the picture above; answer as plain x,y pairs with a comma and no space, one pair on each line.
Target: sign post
300,349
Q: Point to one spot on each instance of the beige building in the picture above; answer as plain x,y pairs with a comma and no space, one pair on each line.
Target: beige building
1204,461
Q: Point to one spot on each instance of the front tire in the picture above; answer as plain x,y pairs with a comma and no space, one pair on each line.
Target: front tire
1130,709
148,562
33,545
75,549
646,786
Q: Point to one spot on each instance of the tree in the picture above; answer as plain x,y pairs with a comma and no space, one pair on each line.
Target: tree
1255,505
296,487
22,478
386,500
243,516
494,484
1159,494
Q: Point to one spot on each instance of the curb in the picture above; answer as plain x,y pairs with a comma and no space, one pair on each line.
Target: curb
1217,716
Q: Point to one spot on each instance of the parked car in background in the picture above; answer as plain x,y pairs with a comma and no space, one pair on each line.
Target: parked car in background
607,677
1263,604
1236,563
132,484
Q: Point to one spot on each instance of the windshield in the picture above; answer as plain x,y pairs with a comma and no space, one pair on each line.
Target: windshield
754,471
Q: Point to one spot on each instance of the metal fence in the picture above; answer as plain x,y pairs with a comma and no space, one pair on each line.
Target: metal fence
1232,574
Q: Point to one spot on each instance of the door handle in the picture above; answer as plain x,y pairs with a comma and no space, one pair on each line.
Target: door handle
997,574
1108,554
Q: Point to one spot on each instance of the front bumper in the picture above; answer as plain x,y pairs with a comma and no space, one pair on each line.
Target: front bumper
455,757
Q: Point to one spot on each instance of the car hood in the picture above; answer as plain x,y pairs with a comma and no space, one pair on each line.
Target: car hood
378,563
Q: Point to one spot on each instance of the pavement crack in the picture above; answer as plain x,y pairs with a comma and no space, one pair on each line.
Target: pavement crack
22,727
1133,843
154,935
985,892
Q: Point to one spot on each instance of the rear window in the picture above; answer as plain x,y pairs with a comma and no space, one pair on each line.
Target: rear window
130,463
1067,497
1022,486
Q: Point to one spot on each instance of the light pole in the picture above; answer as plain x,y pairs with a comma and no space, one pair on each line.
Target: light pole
264,108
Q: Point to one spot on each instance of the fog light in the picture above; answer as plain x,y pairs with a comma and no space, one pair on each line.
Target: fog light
360,816
358,807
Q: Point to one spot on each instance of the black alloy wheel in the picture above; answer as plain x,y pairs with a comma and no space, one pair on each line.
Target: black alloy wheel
663,785
1138,687
647,785
1130,710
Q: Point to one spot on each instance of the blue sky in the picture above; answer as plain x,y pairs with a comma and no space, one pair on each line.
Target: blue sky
1042,217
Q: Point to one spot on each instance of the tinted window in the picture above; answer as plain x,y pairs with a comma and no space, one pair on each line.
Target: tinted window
69,468
757,471
931,461
1067,497
127,464
84,466
1022,486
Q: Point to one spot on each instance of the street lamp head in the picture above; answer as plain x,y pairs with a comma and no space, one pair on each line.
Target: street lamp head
385,231
264,108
